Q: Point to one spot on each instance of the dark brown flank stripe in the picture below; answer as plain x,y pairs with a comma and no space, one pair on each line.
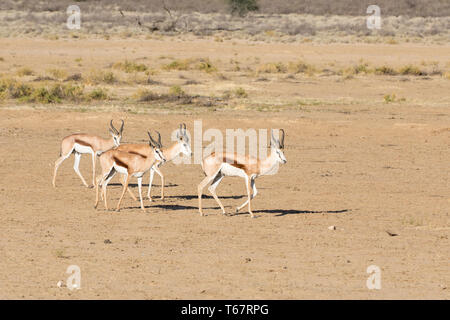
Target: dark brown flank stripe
235,164
120,163
83,143
137,153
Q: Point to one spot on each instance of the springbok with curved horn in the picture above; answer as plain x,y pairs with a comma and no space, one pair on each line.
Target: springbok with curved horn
81,143
129,164
217,166
182,145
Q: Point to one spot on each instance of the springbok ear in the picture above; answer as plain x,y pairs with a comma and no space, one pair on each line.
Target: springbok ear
281,141
112,132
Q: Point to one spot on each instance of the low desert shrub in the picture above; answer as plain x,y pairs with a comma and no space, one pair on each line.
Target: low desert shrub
25,72
130,66
411,70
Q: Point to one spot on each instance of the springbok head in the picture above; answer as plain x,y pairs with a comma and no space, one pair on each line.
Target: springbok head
183,140
278,146
116,134
156,145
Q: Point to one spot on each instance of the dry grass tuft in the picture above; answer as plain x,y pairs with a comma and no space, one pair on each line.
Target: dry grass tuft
412,70
130,66
57,73
301,67
272,67
99,76
25,71
385,70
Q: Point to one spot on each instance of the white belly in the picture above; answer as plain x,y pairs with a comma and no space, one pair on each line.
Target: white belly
82,149
120,169
230,170
138,174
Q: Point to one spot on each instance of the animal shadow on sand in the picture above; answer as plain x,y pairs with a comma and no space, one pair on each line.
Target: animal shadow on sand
283,212
134,185
191,197
174,207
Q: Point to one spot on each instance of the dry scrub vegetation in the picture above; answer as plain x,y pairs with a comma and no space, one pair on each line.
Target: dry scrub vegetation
318,21
212,80
153,87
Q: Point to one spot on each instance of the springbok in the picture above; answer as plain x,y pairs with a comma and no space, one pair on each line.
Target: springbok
180,146
80,143
129,164
217,166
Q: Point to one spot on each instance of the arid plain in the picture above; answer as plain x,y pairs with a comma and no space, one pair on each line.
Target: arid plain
368,152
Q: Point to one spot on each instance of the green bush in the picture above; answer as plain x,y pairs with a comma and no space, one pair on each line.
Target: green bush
176,91
57,93
240,93
69,92
18,90
145,95
206,65
98,94
178,65
412,70
130,66
385,70
242,7
44,95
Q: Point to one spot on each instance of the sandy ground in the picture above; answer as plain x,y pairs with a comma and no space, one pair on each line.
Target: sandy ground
364,167
365,174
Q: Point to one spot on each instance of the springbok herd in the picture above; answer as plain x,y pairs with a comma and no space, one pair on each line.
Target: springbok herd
134,160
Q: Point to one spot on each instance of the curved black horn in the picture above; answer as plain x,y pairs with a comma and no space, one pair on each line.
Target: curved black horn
112,127
121,127
272,138
152,142
282,139
159,139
